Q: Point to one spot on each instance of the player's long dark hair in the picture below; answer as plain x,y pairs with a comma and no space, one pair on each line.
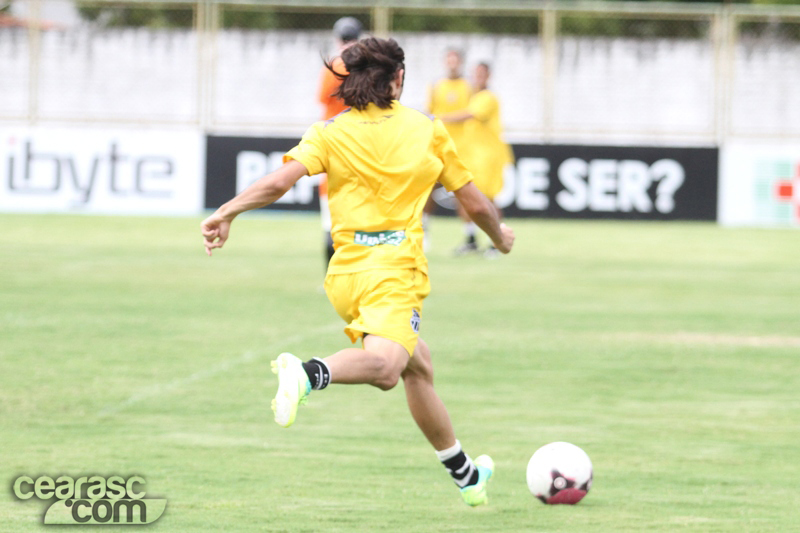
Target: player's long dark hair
371,64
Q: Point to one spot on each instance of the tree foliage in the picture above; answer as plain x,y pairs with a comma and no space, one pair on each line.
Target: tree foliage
293,18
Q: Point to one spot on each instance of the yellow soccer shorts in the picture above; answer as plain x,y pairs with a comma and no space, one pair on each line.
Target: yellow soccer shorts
387,303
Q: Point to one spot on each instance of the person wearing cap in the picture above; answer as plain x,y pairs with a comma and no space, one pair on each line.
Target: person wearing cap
347,30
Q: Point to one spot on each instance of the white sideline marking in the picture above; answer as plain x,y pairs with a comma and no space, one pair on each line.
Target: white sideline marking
163,389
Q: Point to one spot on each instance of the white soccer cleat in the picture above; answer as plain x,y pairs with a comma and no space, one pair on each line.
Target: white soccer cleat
293,388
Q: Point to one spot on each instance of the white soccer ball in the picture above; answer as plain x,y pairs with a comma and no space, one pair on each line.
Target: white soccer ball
559,472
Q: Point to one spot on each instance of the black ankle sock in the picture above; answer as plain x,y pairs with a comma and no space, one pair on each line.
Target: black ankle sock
318,373
461,468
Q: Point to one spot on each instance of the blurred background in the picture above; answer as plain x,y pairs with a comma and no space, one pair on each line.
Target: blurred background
623,71
580,73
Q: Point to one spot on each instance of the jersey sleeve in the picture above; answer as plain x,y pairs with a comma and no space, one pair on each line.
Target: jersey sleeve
454,174
482,105
311,152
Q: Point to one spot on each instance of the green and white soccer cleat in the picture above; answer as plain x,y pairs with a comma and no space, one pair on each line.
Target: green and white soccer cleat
475,495
293,388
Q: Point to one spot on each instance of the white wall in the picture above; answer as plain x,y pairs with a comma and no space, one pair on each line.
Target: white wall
607,90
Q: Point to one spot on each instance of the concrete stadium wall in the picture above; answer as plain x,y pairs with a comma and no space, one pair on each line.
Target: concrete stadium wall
607,90
130,89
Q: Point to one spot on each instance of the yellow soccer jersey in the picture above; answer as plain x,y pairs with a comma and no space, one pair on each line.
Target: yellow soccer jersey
447,96
485,151
381,165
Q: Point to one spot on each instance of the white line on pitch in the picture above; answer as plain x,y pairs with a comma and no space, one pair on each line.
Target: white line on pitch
162,389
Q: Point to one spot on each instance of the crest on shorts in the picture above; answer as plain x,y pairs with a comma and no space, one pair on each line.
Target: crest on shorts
415,320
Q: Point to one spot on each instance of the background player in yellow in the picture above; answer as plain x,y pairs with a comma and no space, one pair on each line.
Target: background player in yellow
382,159
447,95
451,94
485,153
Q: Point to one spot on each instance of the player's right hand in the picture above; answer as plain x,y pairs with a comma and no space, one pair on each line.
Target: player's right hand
508,239
215,232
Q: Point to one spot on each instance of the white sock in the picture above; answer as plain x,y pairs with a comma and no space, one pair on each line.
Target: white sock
450,452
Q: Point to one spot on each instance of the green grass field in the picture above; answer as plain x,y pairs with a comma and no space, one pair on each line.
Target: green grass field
669,352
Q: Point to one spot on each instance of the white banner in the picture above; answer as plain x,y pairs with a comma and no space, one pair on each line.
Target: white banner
85,170
759,185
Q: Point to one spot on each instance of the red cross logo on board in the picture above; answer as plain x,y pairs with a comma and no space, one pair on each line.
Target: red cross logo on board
789,191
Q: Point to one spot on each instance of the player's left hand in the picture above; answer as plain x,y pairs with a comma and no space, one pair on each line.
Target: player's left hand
508,239
215,232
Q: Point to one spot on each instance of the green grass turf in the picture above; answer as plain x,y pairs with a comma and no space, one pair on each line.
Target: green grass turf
669,352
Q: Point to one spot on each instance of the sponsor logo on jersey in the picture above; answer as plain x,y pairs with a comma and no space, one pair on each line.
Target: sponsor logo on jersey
374,238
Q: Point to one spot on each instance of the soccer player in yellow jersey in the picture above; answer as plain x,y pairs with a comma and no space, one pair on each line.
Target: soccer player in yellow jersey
485,153
382,160
451,94
447,95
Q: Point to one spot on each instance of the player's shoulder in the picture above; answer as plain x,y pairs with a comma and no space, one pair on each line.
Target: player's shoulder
413,115
485,97
443,84
317,132
338,118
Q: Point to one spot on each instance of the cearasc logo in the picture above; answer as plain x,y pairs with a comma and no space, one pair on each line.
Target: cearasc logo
92,500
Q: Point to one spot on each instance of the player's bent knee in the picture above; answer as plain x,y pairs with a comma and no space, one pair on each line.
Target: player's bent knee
420,366
390,359
390,367
387,383
389,375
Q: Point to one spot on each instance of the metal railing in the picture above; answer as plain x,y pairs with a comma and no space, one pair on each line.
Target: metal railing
609,71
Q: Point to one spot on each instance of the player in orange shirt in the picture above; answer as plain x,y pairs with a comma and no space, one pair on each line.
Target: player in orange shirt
347,31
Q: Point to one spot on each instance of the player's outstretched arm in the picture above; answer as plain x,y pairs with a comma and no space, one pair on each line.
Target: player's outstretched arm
261,193
484,214
457,116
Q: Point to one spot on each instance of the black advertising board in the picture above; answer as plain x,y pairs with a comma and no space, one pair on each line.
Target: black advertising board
232,163
617,182
546,181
